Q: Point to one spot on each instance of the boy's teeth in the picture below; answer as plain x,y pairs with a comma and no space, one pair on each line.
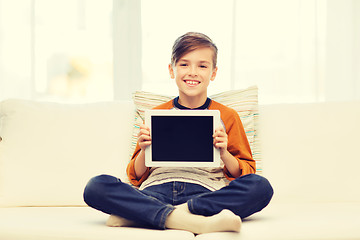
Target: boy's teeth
192,82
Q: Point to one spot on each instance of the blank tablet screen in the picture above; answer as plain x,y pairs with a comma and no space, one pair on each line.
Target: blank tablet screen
182,138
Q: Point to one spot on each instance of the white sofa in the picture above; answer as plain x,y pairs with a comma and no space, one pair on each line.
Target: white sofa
49,151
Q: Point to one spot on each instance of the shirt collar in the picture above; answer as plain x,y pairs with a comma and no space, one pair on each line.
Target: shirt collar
204,106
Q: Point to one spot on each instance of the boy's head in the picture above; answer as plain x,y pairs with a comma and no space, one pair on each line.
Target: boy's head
190,42
193,66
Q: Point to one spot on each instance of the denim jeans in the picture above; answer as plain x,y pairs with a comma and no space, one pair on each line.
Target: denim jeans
150,207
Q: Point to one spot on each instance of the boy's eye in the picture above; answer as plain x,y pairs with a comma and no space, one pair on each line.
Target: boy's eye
203,66
183,64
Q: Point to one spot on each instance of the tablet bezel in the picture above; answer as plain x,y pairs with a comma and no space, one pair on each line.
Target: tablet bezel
148,151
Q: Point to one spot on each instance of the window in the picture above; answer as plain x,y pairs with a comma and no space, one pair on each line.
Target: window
57,49
85,50
267,46
211,17
290,49
73,46
15,49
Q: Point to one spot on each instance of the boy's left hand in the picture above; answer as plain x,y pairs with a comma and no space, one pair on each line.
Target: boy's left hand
220,139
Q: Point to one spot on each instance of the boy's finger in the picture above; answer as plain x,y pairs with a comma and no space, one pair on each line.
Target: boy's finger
220,128
220,145
144,132
144,145
220,139
144,138
219,134
143,126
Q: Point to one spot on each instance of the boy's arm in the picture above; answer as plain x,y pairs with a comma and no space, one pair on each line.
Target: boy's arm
238,147
140,168
231,163
130,170
136,169
237,167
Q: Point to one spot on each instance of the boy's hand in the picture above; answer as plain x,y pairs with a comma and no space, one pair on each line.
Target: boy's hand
144,137
220,140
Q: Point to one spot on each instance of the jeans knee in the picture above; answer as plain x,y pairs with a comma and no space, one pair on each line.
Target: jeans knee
259,187
95,189
264,189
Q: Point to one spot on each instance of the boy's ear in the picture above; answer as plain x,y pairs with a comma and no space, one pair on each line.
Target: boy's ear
171,71
213,75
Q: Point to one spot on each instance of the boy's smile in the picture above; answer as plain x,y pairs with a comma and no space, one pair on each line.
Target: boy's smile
193,73
192,83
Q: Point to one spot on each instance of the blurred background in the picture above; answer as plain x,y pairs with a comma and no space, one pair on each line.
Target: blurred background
101,50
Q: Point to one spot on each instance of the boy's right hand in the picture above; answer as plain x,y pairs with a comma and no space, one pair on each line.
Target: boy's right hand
144,138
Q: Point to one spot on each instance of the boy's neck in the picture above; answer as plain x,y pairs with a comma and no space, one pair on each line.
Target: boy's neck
192,102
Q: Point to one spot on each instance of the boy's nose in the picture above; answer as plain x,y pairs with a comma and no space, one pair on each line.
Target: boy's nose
193,71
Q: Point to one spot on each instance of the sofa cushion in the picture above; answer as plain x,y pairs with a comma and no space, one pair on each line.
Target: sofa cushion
72,223
49,151
300,221
279,221
244,101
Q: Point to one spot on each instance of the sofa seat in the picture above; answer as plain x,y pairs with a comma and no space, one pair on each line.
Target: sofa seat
299,221
279,221
71,223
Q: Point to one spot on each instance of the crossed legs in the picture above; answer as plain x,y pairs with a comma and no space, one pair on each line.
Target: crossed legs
204,213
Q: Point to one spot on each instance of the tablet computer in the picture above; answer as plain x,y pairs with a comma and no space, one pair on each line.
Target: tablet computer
182,138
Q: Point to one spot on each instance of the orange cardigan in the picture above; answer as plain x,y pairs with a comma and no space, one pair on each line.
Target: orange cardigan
238,144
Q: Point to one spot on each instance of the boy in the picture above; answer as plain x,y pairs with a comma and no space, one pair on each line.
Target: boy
199,200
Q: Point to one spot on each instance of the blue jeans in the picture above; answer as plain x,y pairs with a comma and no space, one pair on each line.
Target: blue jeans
150,207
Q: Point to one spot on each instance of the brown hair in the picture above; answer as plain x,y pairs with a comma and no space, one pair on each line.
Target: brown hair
190,42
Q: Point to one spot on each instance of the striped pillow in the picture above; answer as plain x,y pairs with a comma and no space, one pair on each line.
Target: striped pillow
244,101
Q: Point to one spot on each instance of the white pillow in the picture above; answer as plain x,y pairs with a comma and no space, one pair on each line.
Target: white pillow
49,151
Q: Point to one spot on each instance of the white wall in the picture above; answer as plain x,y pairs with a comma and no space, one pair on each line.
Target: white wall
342,63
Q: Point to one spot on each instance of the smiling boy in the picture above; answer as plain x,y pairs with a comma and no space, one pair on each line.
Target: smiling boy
199,200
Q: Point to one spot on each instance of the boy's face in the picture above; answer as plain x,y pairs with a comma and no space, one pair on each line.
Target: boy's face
193,72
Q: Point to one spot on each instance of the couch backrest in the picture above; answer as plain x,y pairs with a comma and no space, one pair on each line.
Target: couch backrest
49,151
311,151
